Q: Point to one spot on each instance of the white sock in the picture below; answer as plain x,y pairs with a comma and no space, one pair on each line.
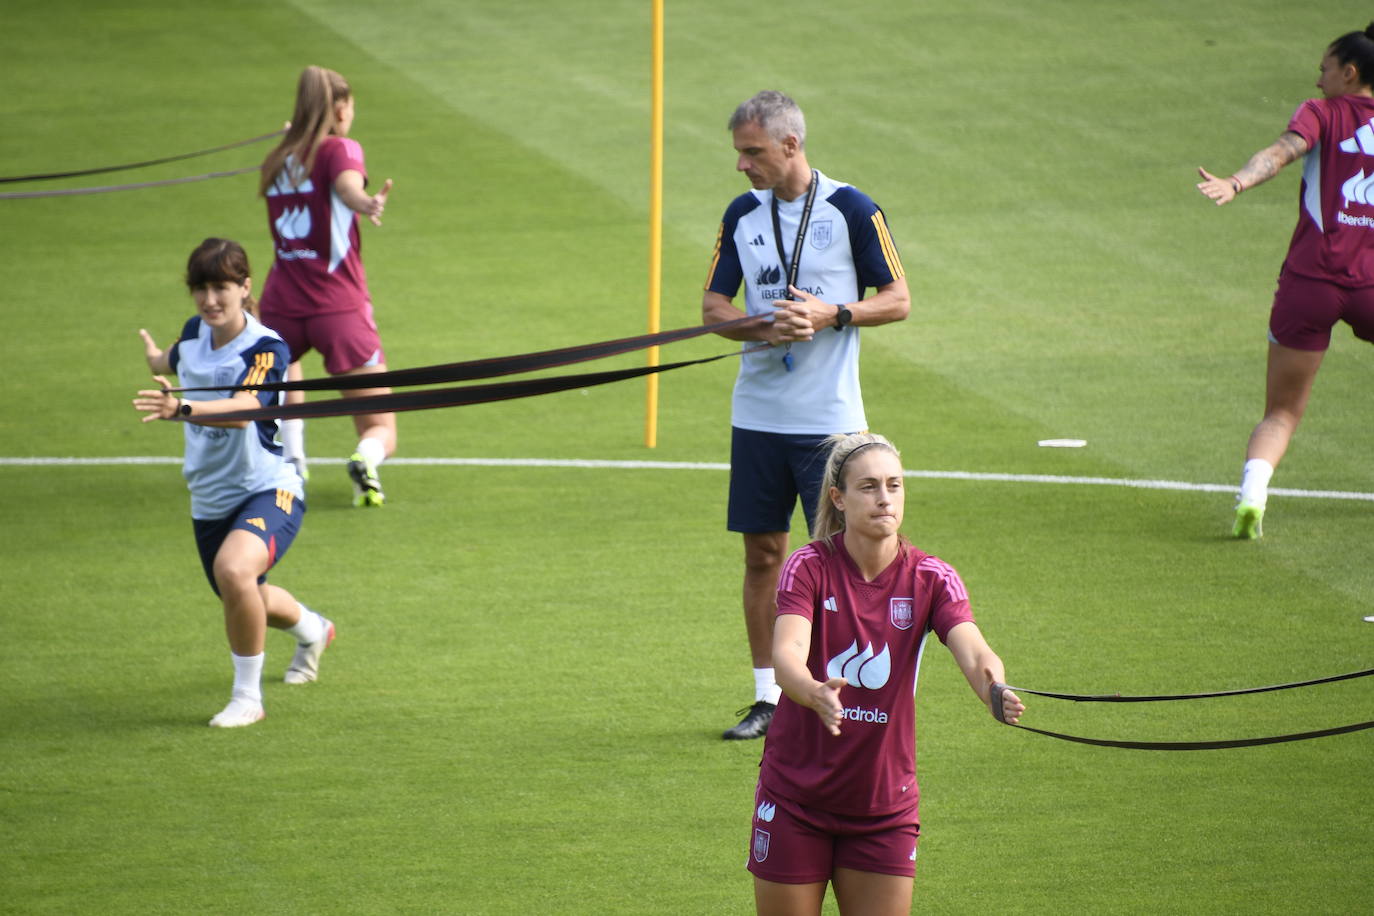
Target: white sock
1254,482
248,675
293,438
372,450
766,689
310,628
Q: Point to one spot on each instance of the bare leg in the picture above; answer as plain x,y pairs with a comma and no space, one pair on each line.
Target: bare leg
763,558
250,608
379,426
773,899
1288,385
866,893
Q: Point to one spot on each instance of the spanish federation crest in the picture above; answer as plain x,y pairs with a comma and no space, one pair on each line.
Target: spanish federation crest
761,839
899,611
821,234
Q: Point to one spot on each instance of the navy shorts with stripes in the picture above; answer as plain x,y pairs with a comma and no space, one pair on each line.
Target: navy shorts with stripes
272,515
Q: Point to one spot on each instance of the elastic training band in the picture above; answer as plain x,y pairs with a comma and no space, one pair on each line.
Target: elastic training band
1118,698
1200,745
71,192
450,397
996,699
138,165
488,368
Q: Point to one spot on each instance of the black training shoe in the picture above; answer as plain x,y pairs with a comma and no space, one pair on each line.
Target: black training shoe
753,725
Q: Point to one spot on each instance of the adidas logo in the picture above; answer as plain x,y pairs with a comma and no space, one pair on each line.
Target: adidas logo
285,183
1362,142
757,240
1360,188
258,523
829,604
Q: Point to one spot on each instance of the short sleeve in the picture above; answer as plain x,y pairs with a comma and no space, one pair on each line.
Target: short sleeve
799,585
340,154
264,364
875,253
949,605
725,274
1307,122
189,331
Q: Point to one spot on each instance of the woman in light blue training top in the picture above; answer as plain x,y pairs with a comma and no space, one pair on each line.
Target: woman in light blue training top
246,499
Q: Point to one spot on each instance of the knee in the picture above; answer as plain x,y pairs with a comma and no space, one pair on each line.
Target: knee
763,558
234,573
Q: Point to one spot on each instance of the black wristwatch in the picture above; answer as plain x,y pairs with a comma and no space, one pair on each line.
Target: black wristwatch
184,408
842,317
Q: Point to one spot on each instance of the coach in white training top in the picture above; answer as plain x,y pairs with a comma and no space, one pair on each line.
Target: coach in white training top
806,249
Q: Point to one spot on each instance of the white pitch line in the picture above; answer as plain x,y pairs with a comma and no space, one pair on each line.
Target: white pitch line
594,463
720,466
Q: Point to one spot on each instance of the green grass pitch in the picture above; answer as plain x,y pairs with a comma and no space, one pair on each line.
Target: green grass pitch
521,713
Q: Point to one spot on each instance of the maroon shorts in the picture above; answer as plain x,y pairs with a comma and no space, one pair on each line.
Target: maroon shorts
346,340
1305,311
794,844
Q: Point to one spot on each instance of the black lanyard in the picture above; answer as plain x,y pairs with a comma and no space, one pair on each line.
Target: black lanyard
795,264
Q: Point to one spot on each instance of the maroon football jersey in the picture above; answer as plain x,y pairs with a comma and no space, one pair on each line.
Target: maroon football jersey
319,265
1334,238
872,634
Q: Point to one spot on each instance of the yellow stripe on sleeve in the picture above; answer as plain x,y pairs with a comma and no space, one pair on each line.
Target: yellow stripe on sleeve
894,260
715,255
262,364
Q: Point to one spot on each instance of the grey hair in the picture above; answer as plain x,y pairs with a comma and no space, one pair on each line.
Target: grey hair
830,520
776,113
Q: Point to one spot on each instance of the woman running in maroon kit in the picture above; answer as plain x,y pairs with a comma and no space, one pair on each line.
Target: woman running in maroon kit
316,294
1328,275
837,795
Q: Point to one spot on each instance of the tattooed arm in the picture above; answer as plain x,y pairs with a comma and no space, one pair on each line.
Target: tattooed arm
1262,166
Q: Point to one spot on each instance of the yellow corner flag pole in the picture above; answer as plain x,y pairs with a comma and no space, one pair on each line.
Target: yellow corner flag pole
655,224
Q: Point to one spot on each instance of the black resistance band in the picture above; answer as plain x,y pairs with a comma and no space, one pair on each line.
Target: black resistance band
138,165
489,368
998,713
450,397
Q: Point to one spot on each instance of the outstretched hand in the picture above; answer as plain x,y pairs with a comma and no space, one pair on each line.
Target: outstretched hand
157,404
378,203
825,700
151,351
1011,706
157,358
1221,190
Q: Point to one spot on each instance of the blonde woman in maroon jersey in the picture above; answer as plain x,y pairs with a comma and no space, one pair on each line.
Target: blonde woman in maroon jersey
837,799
